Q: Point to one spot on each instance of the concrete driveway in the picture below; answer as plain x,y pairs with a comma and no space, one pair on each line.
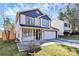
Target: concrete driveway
68,42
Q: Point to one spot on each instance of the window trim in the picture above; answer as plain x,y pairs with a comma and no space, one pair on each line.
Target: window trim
65,24
29,19
43,22
26,33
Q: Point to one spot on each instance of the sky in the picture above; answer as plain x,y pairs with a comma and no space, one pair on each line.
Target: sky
10,9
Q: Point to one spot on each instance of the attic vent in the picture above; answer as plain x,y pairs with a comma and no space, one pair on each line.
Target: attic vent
37,12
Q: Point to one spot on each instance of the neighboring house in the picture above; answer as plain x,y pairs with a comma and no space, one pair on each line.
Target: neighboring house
59,24
63,26
67,27
34,25
77,28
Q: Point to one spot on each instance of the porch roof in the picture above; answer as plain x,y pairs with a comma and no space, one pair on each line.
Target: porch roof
33,26
48,28
54,28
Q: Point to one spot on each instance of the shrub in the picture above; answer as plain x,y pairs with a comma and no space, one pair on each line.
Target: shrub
33,48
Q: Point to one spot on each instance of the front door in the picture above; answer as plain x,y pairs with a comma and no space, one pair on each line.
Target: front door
38,34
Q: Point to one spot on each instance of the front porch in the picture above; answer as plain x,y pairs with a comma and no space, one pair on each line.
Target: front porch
23,46
29,34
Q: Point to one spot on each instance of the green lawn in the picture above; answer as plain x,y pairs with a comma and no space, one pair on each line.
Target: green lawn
76,37
10,49
58,50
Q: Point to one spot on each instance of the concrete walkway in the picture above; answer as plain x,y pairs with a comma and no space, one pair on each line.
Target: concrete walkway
22,46
69,42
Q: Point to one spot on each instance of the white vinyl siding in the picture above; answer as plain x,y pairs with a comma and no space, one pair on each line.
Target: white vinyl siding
22,18
59,24
37,22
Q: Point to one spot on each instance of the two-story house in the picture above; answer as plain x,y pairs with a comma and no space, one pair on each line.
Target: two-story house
34,25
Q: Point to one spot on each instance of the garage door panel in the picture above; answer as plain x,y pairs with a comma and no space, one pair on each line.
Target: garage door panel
49,35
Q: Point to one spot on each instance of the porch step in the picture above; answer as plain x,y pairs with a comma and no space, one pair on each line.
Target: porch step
23,46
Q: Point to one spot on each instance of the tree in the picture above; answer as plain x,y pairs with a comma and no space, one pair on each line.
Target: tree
77,17
69,14
61,16
33,47
8,26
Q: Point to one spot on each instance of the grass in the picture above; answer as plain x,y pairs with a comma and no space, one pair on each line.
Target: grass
75,37
10,49
58,50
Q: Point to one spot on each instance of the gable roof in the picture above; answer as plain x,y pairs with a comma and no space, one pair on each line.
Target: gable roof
32,13
46,28
45,17
54,28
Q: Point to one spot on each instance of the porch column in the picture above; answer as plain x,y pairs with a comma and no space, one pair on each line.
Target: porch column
42,34
20,34
35,34
32,34
38,33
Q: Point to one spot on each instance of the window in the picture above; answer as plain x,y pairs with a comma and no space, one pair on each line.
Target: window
65,24
45,22
27,20
69,25
30,21
66,30
26,32
29,32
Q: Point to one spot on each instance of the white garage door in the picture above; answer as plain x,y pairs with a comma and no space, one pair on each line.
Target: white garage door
49,35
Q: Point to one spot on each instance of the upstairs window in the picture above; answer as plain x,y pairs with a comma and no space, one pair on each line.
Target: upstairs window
45,22
27,21
30,21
